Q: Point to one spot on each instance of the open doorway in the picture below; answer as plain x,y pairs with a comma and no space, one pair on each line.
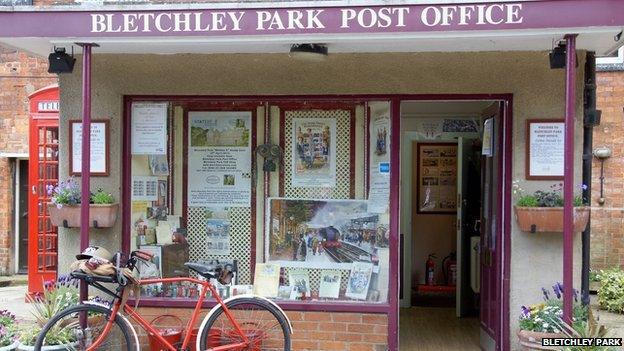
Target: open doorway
448,181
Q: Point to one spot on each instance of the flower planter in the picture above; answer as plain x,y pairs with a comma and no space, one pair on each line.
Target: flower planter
11,347
100,216
549,219
530,340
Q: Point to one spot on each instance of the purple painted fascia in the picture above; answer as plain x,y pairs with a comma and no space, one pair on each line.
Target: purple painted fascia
549,14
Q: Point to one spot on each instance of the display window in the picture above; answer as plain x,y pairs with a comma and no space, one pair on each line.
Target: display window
290,197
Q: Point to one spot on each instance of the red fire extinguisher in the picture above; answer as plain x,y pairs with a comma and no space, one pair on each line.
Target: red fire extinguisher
430,270
449,268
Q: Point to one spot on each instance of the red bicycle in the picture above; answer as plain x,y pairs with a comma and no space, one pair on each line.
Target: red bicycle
244,322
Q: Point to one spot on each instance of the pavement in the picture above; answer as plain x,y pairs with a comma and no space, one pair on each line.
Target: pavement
12,298
614,322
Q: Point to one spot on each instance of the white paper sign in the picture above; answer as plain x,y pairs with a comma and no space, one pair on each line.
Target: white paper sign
144,188
546,151
379,190
219,159
149,128
98,147
314,152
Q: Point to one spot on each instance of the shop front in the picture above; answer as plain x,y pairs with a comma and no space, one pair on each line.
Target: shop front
322,183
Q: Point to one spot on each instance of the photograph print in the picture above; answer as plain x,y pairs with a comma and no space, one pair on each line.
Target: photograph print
314,152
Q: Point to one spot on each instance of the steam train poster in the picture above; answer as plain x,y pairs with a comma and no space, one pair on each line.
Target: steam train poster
323,233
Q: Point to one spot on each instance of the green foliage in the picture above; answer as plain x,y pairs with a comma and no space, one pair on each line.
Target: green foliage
586,329
546,317
611,291
528,201
101,198
55,336
8,326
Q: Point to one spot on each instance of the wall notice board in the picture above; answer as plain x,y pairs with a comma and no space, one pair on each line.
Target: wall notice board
544,149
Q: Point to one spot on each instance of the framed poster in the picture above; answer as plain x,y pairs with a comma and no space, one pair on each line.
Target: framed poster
219,158
436,171
99,147
314,152
544,149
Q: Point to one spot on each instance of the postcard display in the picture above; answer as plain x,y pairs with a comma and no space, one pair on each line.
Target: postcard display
329,240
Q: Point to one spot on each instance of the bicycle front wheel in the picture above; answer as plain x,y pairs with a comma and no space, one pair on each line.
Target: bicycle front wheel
78,327
265,326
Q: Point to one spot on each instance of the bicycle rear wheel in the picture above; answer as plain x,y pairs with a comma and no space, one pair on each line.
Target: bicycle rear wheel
265,326
77,328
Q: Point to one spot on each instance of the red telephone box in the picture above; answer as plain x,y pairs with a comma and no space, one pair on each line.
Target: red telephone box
42,171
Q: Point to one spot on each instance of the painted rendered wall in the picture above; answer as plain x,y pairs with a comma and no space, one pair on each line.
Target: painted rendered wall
538,93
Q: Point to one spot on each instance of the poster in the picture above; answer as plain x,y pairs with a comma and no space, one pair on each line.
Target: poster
218,237
488,138
545,149
219,159
313,152
159,165
144,188
437,178
99,147
330,284
437,128
379,189
299,282
266,279
327,234
359,280
149,128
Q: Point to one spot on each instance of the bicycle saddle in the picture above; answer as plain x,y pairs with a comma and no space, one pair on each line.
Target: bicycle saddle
205,270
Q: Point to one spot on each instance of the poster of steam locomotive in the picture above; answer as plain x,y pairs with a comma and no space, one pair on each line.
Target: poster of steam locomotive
327,234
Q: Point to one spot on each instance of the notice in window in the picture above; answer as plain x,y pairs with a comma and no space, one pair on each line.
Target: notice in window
314,152
149,128
379,192
219,159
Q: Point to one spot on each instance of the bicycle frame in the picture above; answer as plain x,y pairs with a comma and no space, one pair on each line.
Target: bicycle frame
132,313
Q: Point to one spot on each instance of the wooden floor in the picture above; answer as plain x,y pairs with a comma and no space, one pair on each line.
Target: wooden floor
437,328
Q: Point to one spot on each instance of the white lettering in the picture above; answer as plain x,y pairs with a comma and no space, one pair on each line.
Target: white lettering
217,21
384,17
147,19
488,14
198,22
480,10
109,24
465,14
294,19
513,13
347,16
424,16
182,24
129,23
447,14
402,11
313,21
276,21
372,18
158,22
97,23
236,20
263,17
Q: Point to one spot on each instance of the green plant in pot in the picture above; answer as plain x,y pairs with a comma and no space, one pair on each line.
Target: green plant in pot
56,297
8,331
542,211
64,207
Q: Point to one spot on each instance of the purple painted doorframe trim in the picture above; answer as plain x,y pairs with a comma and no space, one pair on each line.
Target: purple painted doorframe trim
568,178
393,305
548,15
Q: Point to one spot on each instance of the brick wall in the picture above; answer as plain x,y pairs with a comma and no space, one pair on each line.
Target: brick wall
20,75
322,331
607,221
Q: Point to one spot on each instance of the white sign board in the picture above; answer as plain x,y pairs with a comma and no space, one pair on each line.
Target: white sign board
149,128
98,147
545,149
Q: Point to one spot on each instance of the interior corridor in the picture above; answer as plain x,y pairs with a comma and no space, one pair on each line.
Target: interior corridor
435,328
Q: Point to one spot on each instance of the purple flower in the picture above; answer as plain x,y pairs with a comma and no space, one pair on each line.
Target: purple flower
583,186
546,295
557,290
526,312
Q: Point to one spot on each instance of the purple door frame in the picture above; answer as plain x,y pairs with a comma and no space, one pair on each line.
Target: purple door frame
503,244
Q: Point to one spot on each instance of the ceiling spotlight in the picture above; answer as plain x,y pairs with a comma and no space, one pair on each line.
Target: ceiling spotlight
311,52
60,62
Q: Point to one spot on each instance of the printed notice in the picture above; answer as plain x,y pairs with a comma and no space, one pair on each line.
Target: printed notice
546,149
314,152
219,159
98,147
379,190
149,128
144,188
